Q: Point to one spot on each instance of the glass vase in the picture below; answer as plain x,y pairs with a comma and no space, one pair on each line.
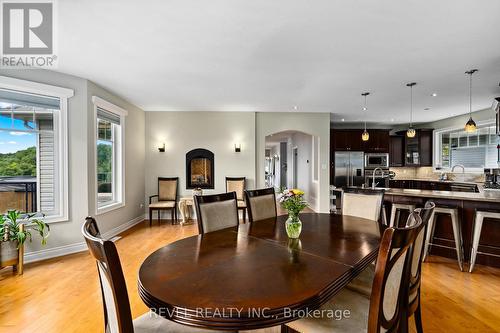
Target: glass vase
293,226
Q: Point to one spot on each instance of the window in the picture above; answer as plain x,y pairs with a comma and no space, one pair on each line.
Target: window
109,125
33,148
475,151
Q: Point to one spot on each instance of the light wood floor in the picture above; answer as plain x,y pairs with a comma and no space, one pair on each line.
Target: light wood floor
63,295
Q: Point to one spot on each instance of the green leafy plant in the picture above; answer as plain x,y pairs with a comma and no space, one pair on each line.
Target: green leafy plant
10,227
293,201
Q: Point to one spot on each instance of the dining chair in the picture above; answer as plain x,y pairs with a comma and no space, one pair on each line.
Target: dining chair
382,311
261,204
237,184
364,203
167,198
116,305
417,254
216,211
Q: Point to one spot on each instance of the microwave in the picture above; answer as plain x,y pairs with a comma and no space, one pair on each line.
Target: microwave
376,160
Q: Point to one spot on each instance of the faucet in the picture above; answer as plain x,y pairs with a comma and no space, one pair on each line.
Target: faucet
373,175
458,165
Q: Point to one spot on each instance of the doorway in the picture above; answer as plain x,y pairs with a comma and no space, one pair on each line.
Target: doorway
295,166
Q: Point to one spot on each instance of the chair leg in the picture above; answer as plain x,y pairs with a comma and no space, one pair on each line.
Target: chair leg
430,234
458,239
393,217
150,216
244,215
478,225
159,213
418,319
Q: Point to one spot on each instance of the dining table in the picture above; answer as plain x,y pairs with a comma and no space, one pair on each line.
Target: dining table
253,276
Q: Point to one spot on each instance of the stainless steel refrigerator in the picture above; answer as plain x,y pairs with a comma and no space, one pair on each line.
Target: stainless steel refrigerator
349,168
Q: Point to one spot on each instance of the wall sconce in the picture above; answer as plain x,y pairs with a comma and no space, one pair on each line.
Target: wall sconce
237,147
162,148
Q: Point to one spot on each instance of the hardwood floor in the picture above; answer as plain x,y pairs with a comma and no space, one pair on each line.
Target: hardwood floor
63,295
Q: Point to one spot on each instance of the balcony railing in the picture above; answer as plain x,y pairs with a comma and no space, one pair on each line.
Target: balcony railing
18,193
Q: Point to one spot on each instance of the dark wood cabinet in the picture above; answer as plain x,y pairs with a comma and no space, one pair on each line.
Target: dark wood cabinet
396,148
425,137
350,139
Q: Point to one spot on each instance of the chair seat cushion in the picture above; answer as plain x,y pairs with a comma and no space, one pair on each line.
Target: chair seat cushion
162,204
155,324
358,306
242,204
364,281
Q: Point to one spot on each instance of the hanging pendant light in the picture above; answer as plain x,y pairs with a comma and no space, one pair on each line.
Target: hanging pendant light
411,131
365,136
470,126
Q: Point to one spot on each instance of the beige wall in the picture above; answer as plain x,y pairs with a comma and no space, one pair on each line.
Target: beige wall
184,131
316,124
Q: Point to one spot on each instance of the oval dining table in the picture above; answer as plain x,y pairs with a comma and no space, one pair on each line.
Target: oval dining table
253,276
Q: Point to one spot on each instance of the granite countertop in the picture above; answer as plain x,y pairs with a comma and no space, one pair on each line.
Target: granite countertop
482,196
439,181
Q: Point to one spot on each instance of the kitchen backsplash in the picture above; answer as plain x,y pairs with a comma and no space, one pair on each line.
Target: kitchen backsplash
428,173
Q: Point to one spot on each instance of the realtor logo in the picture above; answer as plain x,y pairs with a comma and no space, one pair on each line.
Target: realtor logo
27,34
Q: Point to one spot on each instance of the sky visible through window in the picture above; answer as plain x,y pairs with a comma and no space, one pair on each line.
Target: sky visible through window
12,140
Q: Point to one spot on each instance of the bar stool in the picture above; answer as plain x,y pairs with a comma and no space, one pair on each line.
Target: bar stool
457,232
395,214
478,225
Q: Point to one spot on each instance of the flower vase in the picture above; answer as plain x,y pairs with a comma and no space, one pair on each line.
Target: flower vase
293,226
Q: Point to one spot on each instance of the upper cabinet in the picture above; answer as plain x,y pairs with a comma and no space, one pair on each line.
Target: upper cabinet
342,140
396,150
416,151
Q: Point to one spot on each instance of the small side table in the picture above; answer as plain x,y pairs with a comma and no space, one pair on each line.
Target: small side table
185,206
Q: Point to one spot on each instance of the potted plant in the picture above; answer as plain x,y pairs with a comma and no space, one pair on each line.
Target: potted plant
15,229
293,201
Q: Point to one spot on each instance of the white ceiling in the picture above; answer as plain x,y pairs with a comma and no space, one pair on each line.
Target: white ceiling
263,55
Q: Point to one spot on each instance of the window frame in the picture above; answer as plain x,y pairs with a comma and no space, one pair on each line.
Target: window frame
436,155
60,139
118,156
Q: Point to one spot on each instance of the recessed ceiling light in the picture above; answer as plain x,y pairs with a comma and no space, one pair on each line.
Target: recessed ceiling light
392,119
343,119
295,107
434,94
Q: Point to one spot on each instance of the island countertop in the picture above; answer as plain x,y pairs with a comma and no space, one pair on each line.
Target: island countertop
469,196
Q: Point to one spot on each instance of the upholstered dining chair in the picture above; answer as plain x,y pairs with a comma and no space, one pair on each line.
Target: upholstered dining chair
237,184
261,204
364,203
216,211
382,311
117,314
167,198
417,254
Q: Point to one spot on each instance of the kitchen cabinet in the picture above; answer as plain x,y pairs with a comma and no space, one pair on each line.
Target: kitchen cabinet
425,137
396,147
350,139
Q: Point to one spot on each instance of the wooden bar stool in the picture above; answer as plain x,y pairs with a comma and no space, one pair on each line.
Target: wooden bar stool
476,235
395,212
457,232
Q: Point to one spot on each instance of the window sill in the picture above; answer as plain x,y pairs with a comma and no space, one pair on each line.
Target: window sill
110,207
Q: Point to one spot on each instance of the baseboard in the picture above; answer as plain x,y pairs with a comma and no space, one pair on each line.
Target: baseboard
122,227
77,247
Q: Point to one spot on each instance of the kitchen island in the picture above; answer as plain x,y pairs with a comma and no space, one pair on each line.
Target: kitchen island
467,204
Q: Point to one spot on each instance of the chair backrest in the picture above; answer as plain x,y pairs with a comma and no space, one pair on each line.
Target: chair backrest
117,315
417,250
167,188
364,203
236,184
215,212
390,284
261,204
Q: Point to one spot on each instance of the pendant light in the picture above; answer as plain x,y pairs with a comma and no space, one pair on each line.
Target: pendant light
411,131
365,136
470,126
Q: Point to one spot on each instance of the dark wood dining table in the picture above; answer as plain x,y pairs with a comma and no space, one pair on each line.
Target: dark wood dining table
252,276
